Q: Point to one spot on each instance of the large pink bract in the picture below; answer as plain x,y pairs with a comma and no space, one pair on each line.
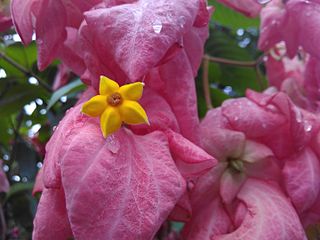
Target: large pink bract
267,182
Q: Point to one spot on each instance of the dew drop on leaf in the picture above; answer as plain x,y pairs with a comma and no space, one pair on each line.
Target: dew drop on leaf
113,144
157,26
263,1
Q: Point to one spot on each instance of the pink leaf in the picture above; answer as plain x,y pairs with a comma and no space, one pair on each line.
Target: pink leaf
4,183
231,183
51,16
254,152
246,116
291,21
121,194
138,191
38,185
302,179
159,112
178,74
70,52
272,20
61,77
191,160
51,221
270,215
5,22
207,221
220,143
139,34
21,11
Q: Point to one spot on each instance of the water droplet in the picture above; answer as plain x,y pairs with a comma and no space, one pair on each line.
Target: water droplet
39,164
39,41
54,128
272,108
262,2
298,114
16,178
113,144
307,126
5,168
64,99
43,111
157,26
182,21
240,32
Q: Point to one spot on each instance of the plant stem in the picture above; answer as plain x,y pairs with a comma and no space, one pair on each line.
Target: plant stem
3,223
205,81
232,62
22,69
249,64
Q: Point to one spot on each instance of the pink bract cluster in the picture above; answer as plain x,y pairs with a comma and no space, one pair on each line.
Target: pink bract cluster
249,170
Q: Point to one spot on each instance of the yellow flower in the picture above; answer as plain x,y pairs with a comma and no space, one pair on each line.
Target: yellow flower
115,105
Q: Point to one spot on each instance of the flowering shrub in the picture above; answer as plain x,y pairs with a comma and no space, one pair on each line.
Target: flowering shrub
131,158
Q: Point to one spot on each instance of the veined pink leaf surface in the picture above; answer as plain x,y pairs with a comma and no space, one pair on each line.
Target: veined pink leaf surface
135,176
48,19
302,179
295,22
207,222
270,215
138,35
21,12
51,221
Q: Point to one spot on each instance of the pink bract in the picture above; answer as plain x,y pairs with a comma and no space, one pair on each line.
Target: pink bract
61,77
135,175
5,18
128,49
297,77
4,183
49,19
266,147
161,44
295,22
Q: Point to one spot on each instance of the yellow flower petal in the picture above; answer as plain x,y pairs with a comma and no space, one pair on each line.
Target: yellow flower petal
132,113
132,91
107,86
95,106
110,121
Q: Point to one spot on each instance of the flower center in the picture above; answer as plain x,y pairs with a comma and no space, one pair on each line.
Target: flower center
235,164
114,99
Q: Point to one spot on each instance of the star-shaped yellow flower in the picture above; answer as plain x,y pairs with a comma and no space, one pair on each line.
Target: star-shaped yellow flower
115,105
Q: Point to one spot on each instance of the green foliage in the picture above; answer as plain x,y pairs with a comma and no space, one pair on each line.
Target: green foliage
18,95
24,56
231,19
72,87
